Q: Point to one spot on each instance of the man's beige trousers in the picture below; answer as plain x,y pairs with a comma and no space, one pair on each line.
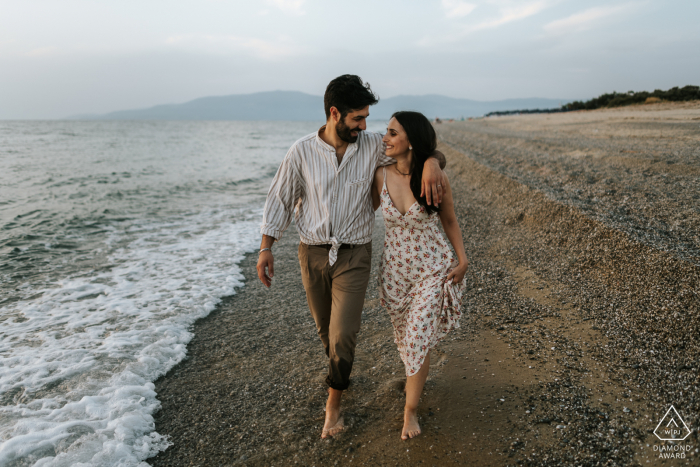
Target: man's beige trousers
336,295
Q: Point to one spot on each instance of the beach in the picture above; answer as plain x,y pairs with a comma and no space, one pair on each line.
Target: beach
580,322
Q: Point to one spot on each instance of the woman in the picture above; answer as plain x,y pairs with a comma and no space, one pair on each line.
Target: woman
419,283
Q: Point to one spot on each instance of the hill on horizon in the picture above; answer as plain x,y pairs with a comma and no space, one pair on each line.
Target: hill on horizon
295,105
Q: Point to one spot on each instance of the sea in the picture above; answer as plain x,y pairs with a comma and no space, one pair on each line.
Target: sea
115,237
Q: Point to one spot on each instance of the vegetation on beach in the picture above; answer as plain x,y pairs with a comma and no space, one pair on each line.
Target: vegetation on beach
618,99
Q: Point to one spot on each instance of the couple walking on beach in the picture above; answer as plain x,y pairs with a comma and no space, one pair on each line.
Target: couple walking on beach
331,182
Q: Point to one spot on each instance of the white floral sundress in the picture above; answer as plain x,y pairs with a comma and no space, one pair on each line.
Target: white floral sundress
412,282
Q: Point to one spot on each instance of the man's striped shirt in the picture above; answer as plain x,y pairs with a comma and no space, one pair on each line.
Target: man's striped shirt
331,203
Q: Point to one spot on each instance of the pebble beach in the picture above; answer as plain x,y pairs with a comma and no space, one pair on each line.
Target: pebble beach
579,328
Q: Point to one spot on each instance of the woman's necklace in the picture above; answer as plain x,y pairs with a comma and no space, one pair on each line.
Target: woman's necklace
395,168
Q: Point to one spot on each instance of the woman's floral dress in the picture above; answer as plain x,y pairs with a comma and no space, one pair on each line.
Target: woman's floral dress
412,282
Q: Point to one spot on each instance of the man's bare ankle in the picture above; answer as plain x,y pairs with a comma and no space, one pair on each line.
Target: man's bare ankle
334,394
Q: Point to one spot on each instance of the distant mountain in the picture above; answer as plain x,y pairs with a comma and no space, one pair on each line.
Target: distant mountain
293,105
275,105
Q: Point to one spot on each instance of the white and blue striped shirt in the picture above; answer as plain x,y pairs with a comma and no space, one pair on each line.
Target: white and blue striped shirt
332,204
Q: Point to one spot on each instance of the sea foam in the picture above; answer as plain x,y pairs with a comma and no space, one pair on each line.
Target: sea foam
78,359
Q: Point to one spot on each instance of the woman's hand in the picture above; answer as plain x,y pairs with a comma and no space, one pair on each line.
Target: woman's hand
457,274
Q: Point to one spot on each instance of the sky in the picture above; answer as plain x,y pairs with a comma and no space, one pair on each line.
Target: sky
69,57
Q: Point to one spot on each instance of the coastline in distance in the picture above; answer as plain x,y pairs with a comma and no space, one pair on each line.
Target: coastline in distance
295,105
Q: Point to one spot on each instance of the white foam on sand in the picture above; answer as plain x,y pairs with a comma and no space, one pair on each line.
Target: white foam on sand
77,367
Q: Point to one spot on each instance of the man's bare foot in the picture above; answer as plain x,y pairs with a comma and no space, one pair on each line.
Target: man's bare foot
332,428
411,428
334,422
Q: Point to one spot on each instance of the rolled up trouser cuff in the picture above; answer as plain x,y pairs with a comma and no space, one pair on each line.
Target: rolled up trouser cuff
338,387
339,370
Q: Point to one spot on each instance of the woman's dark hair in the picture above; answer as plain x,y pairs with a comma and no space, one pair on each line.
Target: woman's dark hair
421,136
347,93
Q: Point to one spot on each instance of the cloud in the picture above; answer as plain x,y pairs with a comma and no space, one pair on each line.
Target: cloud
457,8
265,49
289,6
586,19
508,12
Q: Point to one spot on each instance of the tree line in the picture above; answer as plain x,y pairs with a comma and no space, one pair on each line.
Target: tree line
617,99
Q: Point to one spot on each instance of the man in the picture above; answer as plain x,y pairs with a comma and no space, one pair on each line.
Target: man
325,181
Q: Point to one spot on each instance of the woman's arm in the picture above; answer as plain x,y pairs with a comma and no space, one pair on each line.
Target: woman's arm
377,185
454,233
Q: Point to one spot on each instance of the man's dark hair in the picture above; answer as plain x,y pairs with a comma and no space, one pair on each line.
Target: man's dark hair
347,93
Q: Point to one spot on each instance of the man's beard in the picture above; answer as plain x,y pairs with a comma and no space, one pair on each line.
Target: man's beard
344,132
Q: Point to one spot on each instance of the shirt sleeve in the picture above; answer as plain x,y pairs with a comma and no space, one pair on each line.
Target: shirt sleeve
382,158
285,191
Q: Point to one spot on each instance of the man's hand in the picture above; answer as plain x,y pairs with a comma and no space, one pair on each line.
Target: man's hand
266,263
266,268
433,182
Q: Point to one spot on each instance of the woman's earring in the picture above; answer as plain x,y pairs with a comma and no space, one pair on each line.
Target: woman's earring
410,147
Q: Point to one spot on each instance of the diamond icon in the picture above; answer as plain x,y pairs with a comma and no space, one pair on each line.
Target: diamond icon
672,427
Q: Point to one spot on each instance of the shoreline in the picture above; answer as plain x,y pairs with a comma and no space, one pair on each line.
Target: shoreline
543,370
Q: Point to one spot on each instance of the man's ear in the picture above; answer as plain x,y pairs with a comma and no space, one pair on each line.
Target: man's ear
335,114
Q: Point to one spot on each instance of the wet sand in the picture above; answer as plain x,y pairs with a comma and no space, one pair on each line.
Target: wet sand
579,329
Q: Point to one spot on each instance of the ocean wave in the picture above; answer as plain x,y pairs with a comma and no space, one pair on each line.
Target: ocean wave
78,359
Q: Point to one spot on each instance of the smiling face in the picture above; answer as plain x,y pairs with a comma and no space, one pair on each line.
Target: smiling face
396,140
349,128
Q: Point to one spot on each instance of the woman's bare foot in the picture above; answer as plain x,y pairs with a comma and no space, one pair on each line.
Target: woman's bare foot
411,428
414,387
334,422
